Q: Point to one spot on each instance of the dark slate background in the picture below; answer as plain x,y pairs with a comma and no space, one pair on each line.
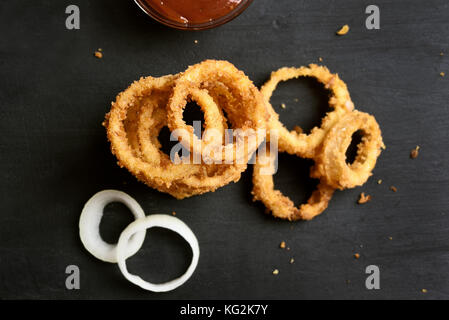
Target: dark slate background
54,154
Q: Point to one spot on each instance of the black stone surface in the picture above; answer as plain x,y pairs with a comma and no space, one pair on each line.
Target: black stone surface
54,154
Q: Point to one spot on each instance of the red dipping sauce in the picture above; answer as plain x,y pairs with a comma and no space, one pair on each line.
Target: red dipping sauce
193,14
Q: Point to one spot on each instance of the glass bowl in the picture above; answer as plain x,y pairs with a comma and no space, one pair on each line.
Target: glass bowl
192,26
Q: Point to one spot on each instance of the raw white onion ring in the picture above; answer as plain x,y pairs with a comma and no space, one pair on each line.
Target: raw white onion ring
141,225
89,225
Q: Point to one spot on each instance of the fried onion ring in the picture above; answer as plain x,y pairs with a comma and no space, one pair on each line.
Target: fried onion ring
155,168
228,98
326,145
235,93
213,120
330,165
298,143
281,206
293,142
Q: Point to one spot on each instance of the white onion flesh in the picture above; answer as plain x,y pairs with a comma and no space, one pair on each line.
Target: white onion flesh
89,226
141,225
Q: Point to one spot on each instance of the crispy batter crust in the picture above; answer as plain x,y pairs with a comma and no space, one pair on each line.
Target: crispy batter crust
326,145
281,206
294,142
330,165
234,93
141,108
226,94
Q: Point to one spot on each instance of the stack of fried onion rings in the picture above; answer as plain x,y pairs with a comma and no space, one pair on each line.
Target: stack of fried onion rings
229,100
326,145
141,111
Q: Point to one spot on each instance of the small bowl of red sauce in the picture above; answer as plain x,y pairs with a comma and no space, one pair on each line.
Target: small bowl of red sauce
193,14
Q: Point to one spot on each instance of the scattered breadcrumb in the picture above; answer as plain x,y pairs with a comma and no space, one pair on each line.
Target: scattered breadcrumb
196,41
364,198
292,260
379,181
288,248
298,129
356,256
390,238
441,54
275,272
414,153
320,59
348,281
394,189
283,106
98,54
173,213
99,49
424,290
296,99
442,74
282,245
344,30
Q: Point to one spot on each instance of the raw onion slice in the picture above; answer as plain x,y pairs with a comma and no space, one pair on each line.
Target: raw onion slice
89,225
163,221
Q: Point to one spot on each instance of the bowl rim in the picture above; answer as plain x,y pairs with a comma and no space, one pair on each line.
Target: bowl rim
200,26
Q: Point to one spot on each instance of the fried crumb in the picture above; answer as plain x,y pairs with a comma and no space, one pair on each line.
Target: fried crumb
379,181
196,41
173,213
275,272
283,106
298,129
424,290
99,49
364,198
320,59
330,82
414,153
344,30
442,74
441,54
356,256
390,238
292,261
296,100
98,54
288,248
394,189
282,245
